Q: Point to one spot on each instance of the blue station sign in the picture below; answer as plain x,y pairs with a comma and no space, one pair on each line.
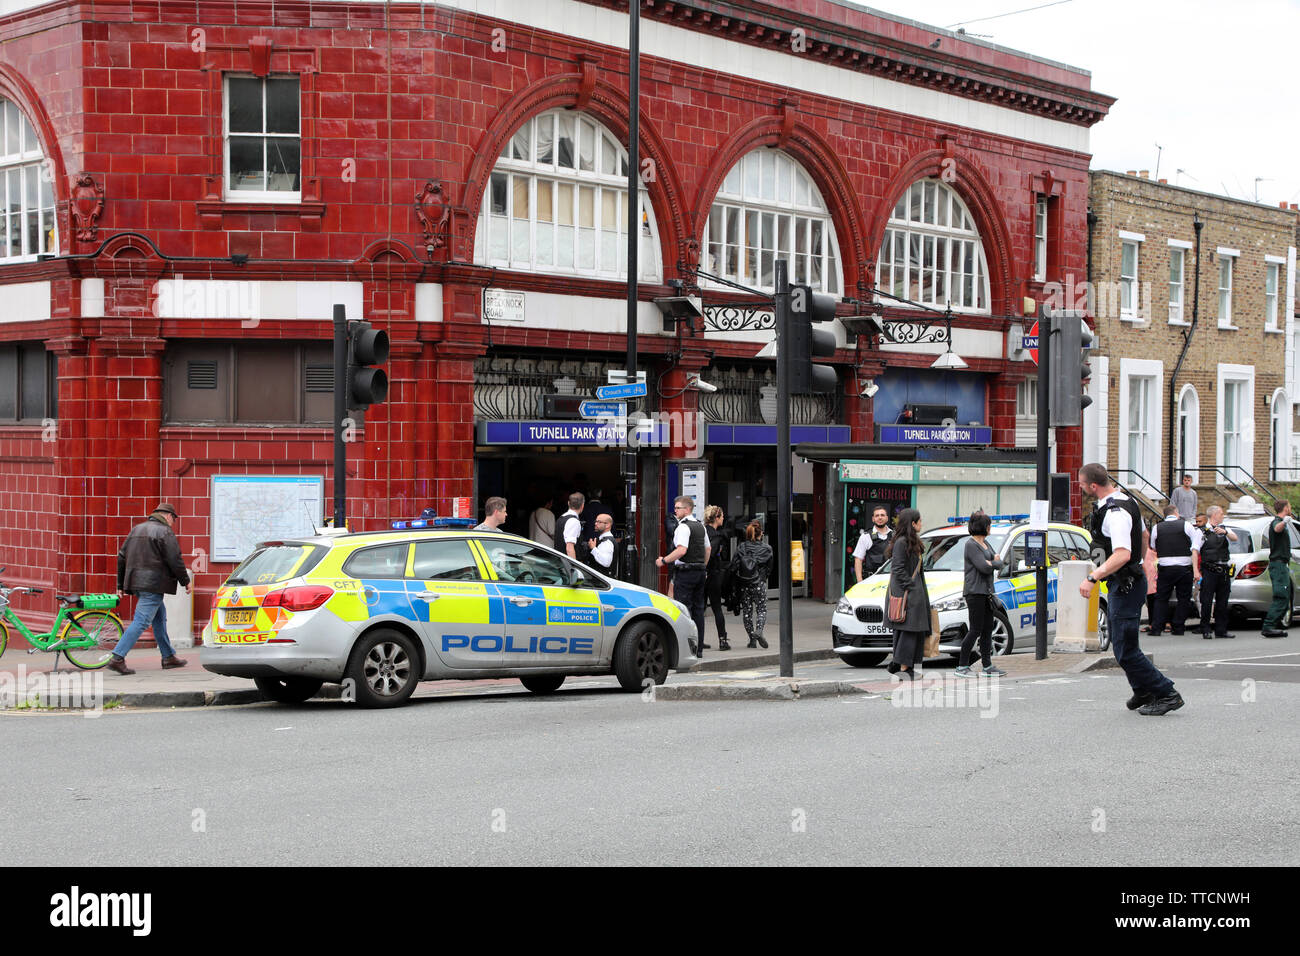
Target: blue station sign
936,435
603,409
600,434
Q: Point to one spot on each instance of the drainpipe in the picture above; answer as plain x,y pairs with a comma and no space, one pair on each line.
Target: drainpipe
1187,342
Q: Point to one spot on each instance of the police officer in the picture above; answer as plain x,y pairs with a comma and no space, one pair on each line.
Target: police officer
568,528
873,544
689,556
1117,542
1177,543
602,546
1215,580
1279,561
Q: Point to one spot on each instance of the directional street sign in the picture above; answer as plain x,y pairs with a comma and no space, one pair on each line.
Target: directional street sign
636,390
603,409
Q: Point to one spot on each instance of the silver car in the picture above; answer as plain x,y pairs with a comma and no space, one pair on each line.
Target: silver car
1252,590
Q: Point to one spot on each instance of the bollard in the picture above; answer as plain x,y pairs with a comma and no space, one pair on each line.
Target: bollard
1076,618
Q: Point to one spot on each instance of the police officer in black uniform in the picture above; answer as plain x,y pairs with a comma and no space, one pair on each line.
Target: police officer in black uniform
1215,580
874,544
1176,542
689,556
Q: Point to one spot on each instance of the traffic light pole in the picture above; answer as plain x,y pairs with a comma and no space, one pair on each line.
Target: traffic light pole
340,412
1046,326
630,571
783,582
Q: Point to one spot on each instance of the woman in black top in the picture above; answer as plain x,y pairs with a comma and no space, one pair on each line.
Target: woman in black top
714,572
905,577
977,590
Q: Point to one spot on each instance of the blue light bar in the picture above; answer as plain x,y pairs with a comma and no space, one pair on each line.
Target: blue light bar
964,519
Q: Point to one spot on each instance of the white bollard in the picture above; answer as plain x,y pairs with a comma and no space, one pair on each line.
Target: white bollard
1076,617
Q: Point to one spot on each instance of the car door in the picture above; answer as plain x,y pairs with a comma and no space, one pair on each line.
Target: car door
1019,598
459,609
548,622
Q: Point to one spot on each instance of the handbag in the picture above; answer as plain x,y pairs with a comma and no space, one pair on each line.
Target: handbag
932,641
897,612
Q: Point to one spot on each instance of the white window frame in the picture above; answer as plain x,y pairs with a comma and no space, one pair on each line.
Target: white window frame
1228,256
1274,266
1152,370
1188,460
1133,312
1245,432
936,206
1279,443
596,184
1027,398
768,191
1040,239
1178,249
258,195
26,162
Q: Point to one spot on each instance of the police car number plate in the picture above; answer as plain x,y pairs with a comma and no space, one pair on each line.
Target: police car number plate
240,617
878,629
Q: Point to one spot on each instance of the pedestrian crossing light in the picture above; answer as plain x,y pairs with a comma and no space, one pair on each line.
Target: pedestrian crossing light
807,342
367,347
1069,368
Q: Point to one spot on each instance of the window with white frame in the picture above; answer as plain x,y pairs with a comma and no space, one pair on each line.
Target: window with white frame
1027,398
27,227
1232,425
1128,271
1278,438
263,138
1272,272
932,252
1140,439
767,209
1189,431
1177,265
1040,239
1227,261
1141,422
556,202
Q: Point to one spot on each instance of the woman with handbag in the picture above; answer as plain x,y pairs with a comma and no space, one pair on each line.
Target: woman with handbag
909,601
751,563
715,573
977,590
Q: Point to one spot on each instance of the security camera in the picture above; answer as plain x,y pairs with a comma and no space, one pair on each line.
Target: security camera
869,388
694,381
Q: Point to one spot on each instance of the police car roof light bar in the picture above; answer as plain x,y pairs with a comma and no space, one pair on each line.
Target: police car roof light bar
965,519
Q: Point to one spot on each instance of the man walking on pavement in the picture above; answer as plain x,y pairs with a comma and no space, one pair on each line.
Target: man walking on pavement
1117,541
495,517
149,565
1177,544
873,544
1279,561
689,556
1184,499
1215,580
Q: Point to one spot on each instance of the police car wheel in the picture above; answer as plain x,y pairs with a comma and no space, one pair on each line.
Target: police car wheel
288,690
864,660
1003,642
1103,628
384,669
543,683
640,655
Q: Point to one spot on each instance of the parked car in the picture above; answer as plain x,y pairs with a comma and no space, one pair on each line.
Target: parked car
862,637
1252,591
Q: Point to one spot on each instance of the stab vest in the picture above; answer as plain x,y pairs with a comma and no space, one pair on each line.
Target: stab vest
1172,540
1214,548
561,523
877,553
695,549
1102,541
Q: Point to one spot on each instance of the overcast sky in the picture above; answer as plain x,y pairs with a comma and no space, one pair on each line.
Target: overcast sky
1211,82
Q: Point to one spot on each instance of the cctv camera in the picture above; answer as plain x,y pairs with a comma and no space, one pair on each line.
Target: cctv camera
869,388
696,382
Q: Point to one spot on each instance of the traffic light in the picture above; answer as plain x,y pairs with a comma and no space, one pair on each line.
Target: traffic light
1069,368
807,343
366,347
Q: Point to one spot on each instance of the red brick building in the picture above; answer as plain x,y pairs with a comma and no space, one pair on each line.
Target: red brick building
189,191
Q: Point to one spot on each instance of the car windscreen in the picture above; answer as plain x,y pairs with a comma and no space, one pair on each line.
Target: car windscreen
276,563
949,552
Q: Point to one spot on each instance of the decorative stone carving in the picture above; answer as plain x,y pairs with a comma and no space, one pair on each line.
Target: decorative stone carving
87,206
433,210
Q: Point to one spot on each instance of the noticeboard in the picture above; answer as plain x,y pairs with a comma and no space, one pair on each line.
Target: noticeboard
248,509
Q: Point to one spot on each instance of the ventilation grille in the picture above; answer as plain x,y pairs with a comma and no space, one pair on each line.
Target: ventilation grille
201,374
320,378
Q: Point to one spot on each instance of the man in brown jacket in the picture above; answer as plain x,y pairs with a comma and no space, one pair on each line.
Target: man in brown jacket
149,565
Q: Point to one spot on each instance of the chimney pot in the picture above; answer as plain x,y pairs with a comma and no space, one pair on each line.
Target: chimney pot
1281,205
1131,172
1145,174
1164,182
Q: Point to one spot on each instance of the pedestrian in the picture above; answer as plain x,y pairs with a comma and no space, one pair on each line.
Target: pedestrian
979,562
872,549
1117,537
1184,500
149,565
1216,582
716,572
689,557
907,580
1177,544
1279,561
751,564
1200,520
568,529
495,509
541,523
602,546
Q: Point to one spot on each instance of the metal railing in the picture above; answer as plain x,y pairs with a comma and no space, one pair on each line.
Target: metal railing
1245,476
748,394
508,387
1142,502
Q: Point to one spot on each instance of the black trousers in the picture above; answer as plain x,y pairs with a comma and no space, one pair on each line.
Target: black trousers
979,610
713,591
1176,580
688,587
1215,585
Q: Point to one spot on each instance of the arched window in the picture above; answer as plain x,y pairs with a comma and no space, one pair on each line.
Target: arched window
932,253
768,208
1189,434
26,187
557,202
1279,440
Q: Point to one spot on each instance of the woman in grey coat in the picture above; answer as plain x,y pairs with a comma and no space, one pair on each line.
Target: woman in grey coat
905,576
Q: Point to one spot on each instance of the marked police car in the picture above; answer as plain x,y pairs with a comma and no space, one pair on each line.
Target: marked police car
380,612
862,637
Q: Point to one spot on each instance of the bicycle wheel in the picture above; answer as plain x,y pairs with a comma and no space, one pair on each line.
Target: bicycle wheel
103,627
4,636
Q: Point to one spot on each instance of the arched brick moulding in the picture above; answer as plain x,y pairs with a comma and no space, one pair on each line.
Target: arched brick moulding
978,196
610,107
14,86
818,161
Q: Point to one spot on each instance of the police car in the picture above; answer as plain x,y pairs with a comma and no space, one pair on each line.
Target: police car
380,612
862,637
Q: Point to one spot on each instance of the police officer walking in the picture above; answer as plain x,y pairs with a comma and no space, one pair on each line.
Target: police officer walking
1177,544
1117,541
873,544
689,556
1215,580
1279,561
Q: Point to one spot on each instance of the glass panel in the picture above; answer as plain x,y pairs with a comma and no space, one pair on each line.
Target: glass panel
733,241
519,227
586,206
927,269
784,180
283,156
609,250
34,367
928,211
941,209
521,144
941,271
13,144
783,236
564,237
731,185
900,263
564,204
751,244
525,564
769,175
608,157
247,163
444,561
519,197
282,106
752,175
497,190
545,199
914,205
566,152
8,376
587,153
900,210
608,208
815,251
245,96
385,562
545,127
47,232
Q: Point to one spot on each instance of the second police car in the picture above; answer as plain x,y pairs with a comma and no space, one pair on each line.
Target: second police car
380,612
862,637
